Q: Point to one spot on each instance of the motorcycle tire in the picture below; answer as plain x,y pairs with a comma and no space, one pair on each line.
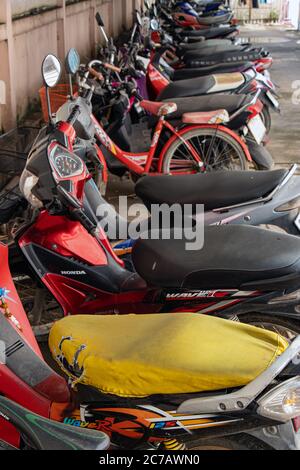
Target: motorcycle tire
211,142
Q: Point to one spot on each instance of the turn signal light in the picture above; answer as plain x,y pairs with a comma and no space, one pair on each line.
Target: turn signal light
282,403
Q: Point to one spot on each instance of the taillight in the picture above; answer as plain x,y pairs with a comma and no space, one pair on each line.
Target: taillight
296,423
263,64
253,85
255,109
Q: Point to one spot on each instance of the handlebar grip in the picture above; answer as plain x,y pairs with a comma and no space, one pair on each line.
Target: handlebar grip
80,215
97,75
113,68
74,115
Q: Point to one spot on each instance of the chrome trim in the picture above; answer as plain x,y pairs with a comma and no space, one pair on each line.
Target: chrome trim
239,400
265,199
239,111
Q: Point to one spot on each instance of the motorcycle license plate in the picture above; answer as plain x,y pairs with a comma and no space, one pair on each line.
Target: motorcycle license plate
257,128
272,99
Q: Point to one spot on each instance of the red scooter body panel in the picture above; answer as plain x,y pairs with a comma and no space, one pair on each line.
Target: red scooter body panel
79,298
12,386
66,237
15,304
156,80
184,20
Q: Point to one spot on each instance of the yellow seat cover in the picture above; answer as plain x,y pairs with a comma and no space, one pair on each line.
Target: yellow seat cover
140,355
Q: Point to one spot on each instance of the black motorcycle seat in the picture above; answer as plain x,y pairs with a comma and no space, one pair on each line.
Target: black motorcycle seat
195,59
182,74
233,257
221,55
207,49
214,20
192,87
208,103
209,32
202,45
203,103
214,190
202,85
215,49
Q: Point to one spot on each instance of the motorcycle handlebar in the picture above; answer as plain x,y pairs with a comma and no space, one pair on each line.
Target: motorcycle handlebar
113,68
74,115
97,75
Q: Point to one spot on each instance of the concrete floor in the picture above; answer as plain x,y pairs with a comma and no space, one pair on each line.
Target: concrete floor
284,46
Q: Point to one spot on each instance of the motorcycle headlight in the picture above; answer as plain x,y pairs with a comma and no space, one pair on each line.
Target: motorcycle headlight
64,163
27,181
282,403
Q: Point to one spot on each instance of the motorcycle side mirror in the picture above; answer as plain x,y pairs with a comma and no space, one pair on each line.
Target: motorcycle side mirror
138,18
154,25
72,64
99,19
51,70
100,23
51,73
147,4
155,12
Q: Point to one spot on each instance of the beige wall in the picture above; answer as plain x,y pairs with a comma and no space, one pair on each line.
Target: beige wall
25,42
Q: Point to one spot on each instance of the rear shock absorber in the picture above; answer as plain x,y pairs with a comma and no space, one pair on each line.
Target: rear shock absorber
173,444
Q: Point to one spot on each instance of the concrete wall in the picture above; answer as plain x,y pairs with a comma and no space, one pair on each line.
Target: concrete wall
263,13
19,7
25,41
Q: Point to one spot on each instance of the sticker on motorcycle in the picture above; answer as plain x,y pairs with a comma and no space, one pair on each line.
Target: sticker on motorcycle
4,294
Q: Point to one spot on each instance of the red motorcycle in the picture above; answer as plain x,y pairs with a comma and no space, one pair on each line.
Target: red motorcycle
269,396
71,254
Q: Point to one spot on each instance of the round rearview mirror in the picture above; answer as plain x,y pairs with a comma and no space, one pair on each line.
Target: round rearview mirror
72,62
51,70
154,25
138,18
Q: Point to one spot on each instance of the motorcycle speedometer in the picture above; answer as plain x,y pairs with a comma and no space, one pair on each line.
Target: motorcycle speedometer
65,164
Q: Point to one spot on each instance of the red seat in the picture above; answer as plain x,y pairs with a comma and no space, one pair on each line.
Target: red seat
159,108
209,117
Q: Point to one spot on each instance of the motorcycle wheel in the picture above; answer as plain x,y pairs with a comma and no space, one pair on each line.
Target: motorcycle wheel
234,442
266,118
285,327
218,151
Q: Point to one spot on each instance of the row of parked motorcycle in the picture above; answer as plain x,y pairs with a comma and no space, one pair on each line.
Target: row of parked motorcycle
159,347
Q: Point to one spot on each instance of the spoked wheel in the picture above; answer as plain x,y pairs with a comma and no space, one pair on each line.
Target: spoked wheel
216,149
287,328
